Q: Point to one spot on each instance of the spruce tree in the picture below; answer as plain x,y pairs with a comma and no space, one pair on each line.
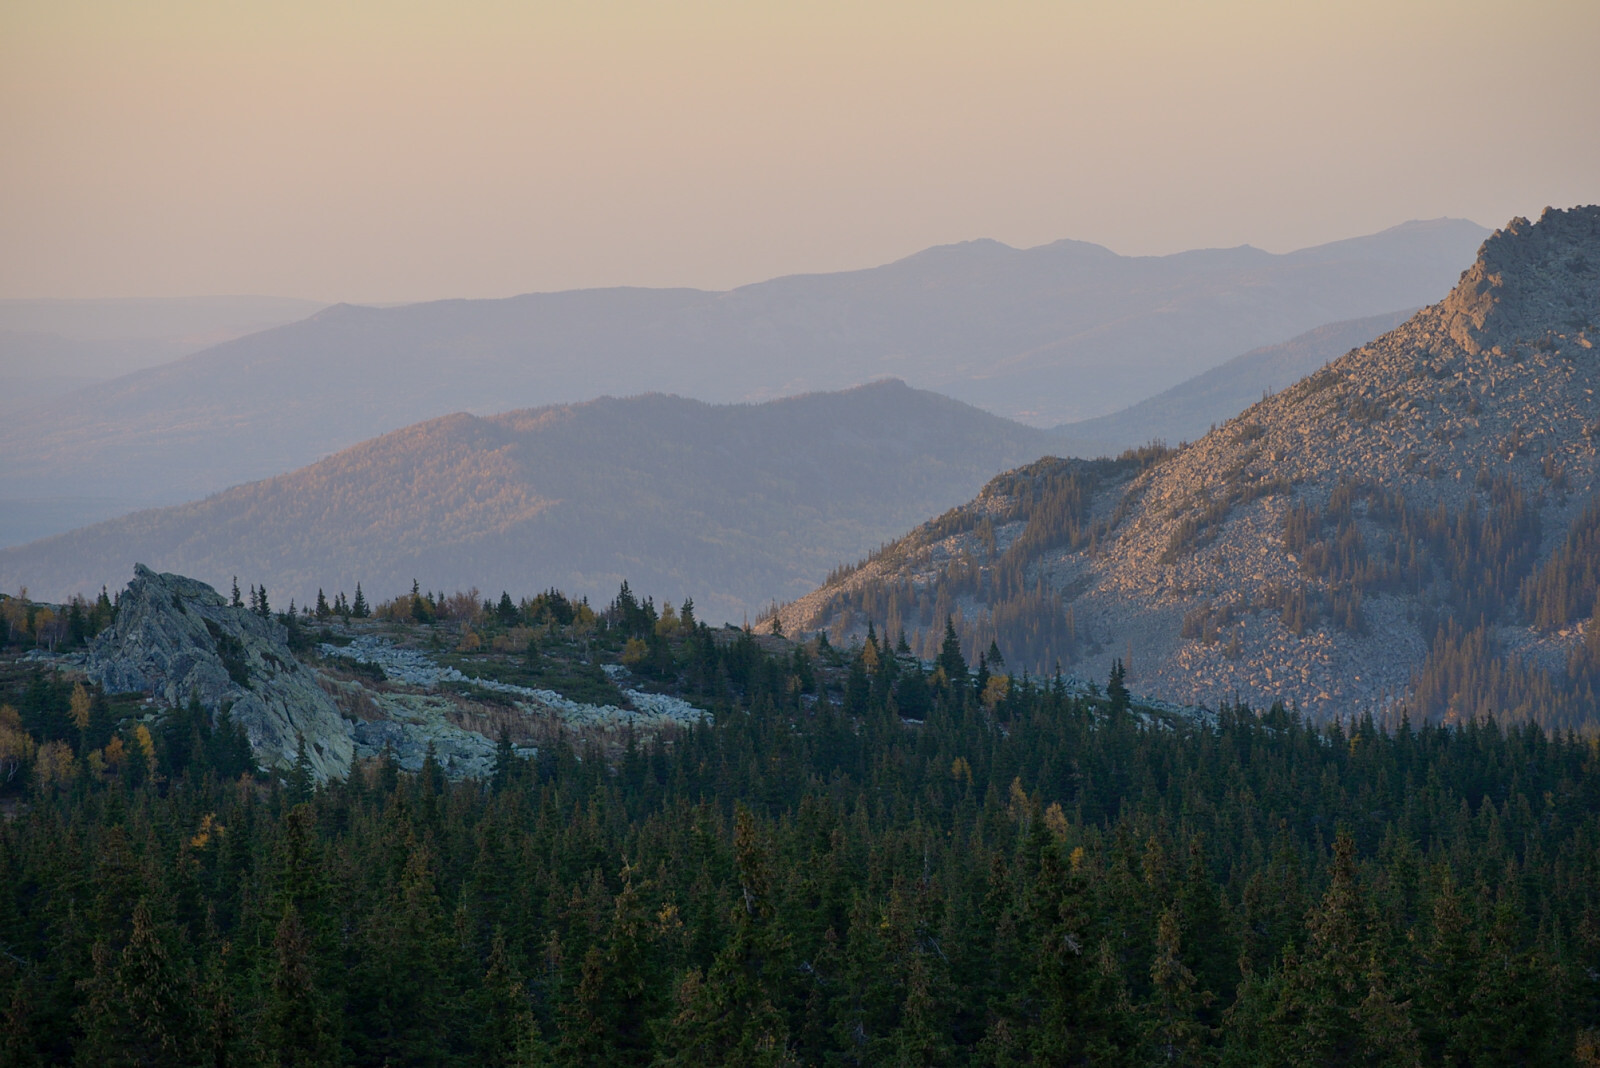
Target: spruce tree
505,763
1174,1033
302,779
297,1025
1116,687
506,1034
950,658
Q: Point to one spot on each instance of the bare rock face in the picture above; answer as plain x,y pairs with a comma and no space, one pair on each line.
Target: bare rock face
1529,279
175,637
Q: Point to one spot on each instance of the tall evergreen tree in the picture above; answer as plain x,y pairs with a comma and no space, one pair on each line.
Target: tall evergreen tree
297,1025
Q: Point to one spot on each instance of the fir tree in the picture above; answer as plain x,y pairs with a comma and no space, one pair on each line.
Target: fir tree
950,658
1173,1029
297,1024
302,778
1116,687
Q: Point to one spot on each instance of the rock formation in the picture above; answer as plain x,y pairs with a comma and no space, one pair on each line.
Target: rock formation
1319,547
175,637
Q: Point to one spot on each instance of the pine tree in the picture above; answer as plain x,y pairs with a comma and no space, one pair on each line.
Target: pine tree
236,602
322,611
359,608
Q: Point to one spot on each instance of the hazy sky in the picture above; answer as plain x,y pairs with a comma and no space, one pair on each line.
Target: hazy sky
398,151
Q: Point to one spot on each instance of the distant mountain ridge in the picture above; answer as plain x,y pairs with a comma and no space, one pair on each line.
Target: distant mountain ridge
1415,524
734,505
50,347
1045,334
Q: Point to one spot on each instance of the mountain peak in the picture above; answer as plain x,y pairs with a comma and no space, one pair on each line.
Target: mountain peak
1529,278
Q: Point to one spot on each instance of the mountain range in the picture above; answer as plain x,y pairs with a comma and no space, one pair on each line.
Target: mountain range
1414,525
733,505
1044,335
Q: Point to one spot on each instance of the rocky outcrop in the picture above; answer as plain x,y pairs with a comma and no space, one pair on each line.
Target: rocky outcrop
415,668
175,637
1529,279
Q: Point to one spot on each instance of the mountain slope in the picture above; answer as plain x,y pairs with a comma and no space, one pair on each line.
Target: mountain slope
1187,411
1416,522
734,505
1067,330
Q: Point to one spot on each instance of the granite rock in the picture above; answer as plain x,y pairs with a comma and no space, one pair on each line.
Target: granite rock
176,637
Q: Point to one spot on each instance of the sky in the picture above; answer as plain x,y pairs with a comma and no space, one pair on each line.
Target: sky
394,151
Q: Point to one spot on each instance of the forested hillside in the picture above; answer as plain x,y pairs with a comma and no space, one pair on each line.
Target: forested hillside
735,505
859,859
1411,526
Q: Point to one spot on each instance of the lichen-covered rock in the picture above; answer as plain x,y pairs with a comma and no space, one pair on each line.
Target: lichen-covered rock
175,637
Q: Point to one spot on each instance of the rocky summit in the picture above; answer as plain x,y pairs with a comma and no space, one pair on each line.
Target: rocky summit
177,638
1414,525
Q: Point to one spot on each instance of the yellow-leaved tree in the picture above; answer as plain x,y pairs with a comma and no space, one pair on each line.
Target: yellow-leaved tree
17,746
80,707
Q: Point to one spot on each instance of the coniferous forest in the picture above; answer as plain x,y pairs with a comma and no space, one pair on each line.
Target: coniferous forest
862,858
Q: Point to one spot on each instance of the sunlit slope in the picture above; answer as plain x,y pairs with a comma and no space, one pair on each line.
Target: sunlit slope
734,505
1416,524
